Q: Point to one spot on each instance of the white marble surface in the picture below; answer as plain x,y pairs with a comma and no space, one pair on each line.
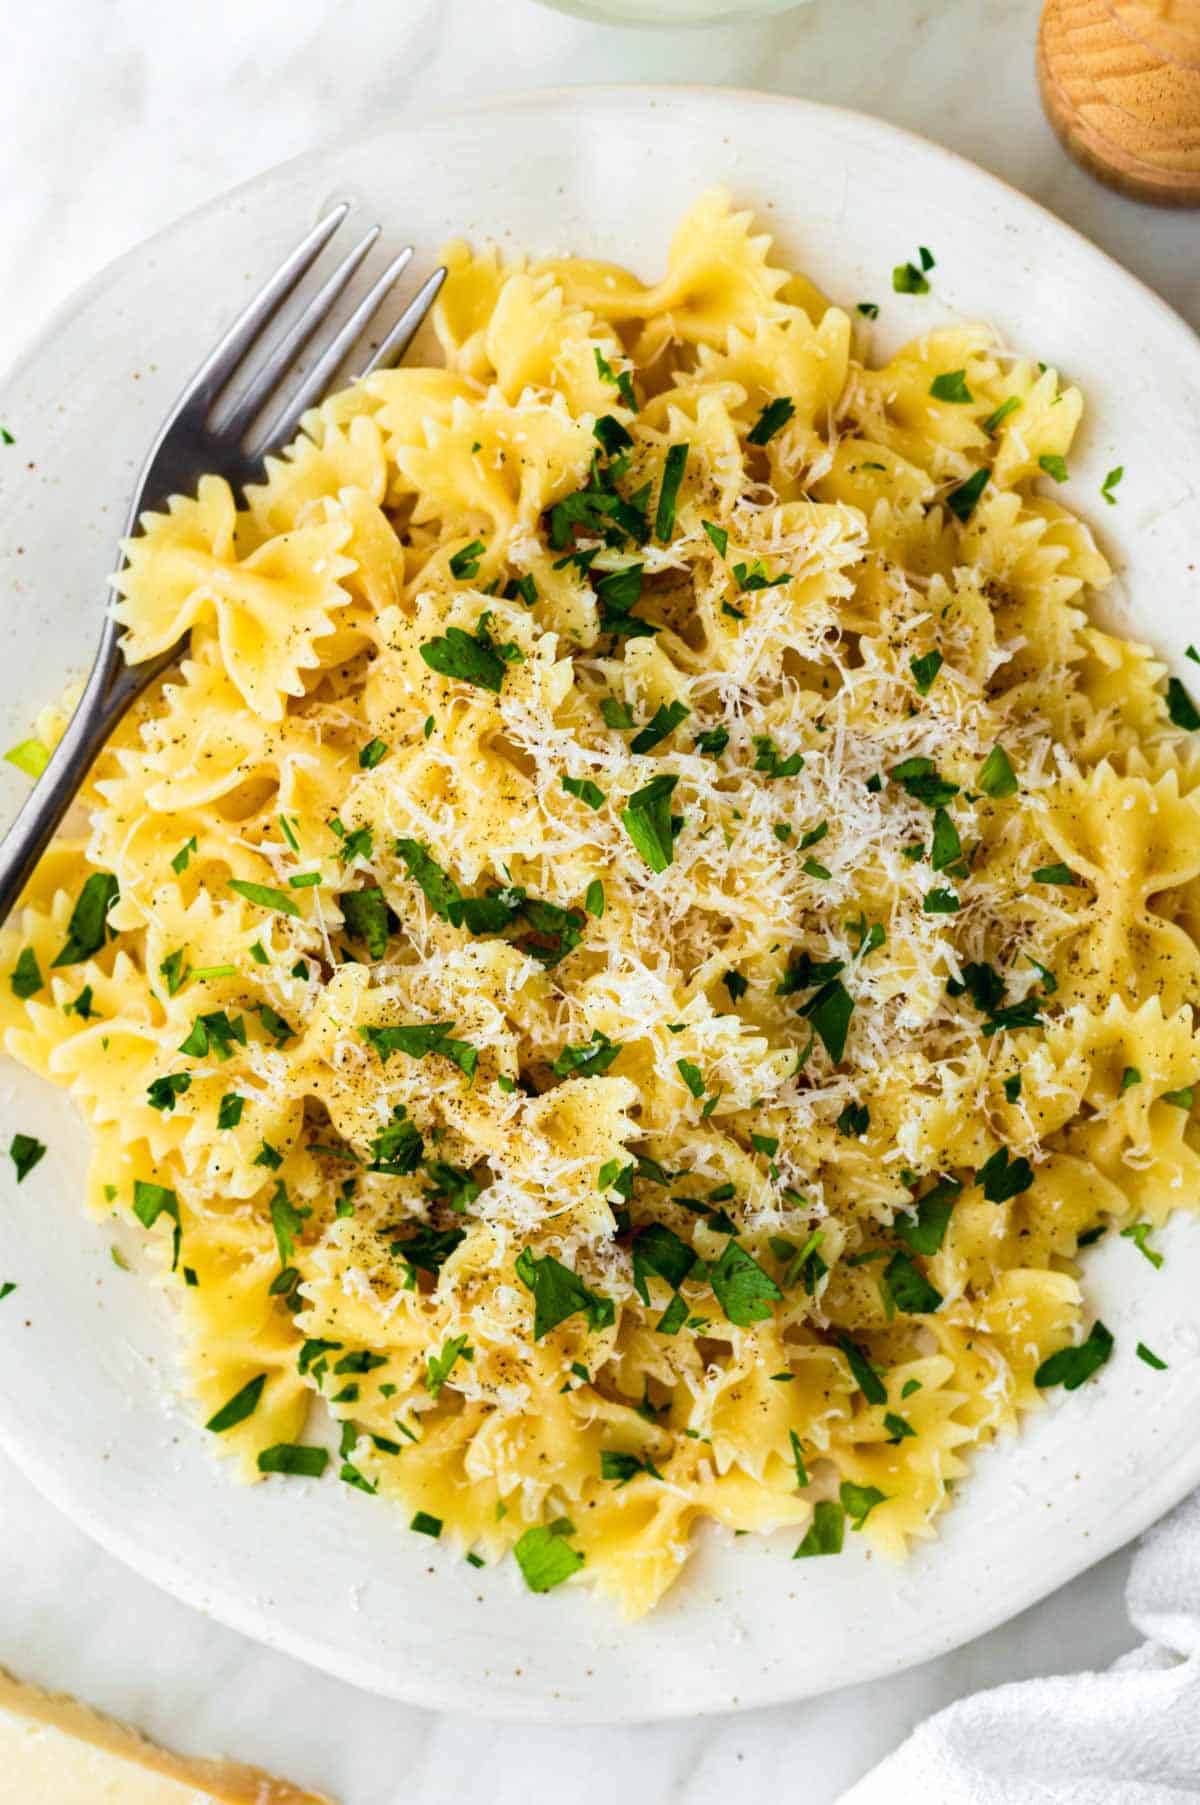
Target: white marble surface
121,114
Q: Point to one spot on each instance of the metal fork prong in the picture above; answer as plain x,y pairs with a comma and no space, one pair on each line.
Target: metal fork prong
279,358
219,366
318,378
405,330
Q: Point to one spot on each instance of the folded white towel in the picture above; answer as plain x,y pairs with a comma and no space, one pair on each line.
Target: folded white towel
1128,1736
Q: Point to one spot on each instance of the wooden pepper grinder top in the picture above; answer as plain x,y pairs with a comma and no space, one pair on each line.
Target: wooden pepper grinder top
1120,82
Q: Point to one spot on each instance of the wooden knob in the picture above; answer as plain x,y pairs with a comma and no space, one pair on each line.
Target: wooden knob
1120,82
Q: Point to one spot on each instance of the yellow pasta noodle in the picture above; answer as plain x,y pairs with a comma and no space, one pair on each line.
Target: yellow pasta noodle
644,928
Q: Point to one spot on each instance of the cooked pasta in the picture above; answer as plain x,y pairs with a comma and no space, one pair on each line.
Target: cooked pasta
645,928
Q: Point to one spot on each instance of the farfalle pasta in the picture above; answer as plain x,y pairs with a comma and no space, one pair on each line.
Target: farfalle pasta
646,928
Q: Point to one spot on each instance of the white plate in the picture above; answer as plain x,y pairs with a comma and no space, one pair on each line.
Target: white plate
87,1350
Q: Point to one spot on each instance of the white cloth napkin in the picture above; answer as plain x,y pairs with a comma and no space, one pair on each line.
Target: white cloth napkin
1128,1736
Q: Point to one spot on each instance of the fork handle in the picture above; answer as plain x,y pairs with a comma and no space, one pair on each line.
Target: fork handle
100,707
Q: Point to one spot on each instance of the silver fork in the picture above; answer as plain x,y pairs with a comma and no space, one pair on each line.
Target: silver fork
199,437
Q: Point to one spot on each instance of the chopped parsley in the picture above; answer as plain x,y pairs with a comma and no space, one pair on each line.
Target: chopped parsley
545,1557
1003,1177
773,418
25,1152
585,790
996,420
465,562
229,1110
467,657
182,859
864,1374
295,1458
767,759
1054,465
648,821
858,1501
963,499
907,279
558,1294
718,536
663,722
621,1468
1139,1233
372,754
741,1287
365,913
88,927
1071,1366
29,756
996,775
1143,1353
438,1367
826,1533
1055,874
242,1404
1181,712
593,899
868,309
668,494
265,895
951,385
1109,484
908,1288
26,979
924,670
150,1201
925,1231
589,1060
829,1012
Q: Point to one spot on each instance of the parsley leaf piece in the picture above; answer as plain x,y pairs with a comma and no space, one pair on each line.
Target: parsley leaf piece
8,1287
1012,1087
773,418
589,1060
1071,1366
438,886
372,754
151,1201
826,1533
951,385
658,1250
908,1287
465,562
427,1249
621,1468
294,1457
768,760
88,927
752,577
242,1404
26,979
673,1317
585,790
616,714
996,775
1139,1233
611,435
736,985
438,1367
1181,712
995,421
163,1093
868,309
663,722
741,1287
718,535
865,1375
924,670
898,1427
466,657
618,593
265,895
668,494
941,902
925,1232
545,1557
558,1294
1181,1099
947,847
798,1459
365,914
854,1120
182,859
692,1076
907,279
922,781
858,1501
287,1220
593,899
418,1039
229,1110
1055,874
829,1011
1109,484
963,499
25,1152
1054,465
649,823
1143,1353
1003,1177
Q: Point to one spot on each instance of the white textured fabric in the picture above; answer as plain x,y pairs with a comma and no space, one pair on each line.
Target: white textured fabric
1127,1736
